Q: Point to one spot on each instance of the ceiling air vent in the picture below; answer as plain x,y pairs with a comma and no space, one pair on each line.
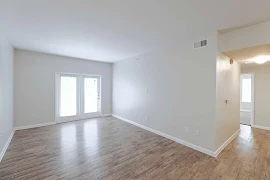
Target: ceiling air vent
200,44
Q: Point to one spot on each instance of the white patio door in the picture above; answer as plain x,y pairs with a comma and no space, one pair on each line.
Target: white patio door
77,97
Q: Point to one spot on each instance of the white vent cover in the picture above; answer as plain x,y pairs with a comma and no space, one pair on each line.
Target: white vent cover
200,44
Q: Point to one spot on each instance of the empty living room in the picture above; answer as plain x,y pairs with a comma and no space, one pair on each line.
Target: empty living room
125,90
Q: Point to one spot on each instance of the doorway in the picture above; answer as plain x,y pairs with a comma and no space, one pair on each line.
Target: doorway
247,99
77,97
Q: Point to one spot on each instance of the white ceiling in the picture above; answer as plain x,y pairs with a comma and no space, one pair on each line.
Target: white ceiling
113,30
223,31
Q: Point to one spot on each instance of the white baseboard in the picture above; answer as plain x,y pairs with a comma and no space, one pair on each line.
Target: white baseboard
83,118
20,128
180,141
106,115
34,126
225,144
6,145
29,127
261,127
52,123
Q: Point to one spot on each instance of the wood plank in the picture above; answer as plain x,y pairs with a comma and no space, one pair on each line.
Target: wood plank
108,148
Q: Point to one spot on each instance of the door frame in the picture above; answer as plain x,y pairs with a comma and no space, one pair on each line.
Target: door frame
58,119
252,114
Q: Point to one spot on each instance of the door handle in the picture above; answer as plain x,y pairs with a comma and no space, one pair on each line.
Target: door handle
227,101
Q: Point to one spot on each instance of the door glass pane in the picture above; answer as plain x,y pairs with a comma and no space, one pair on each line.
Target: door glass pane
246,90
68,96
90,95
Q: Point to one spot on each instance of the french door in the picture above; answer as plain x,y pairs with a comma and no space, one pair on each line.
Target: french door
77,97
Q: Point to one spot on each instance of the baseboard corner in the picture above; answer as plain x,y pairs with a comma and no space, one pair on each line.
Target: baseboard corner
7,144
226,143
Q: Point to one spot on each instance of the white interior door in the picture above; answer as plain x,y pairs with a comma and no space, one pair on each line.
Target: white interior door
77,97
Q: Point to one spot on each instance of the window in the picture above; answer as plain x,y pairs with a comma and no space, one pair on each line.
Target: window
246,90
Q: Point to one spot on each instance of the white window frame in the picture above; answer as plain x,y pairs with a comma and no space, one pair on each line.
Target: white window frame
80,115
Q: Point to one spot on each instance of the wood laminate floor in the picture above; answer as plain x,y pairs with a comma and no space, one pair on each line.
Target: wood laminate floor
108,148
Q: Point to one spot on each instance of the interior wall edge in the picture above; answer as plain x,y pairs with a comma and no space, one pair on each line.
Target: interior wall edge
226,143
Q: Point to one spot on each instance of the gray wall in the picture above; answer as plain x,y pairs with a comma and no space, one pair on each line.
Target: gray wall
174,87
35,84
6,92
